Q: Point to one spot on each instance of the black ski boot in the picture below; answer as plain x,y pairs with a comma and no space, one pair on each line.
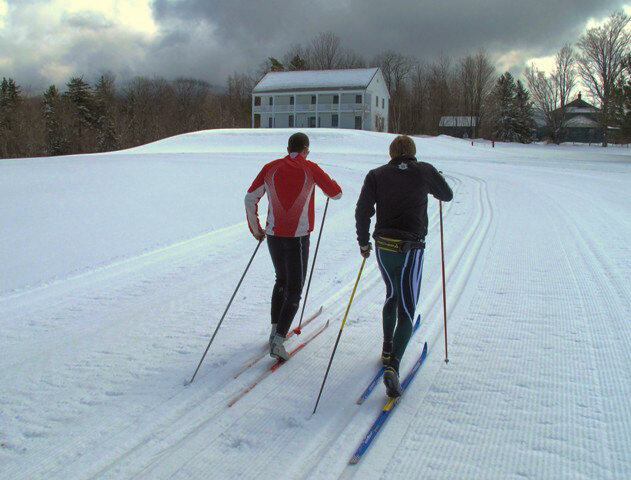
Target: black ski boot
391,381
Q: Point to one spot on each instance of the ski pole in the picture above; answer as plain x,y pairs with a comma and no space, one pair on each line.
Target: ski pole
339,335
442,256
226,311
298,330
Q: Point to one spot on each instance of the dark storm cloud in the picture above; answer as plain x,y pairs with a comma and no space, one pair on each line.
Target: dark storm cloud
210,39
418,28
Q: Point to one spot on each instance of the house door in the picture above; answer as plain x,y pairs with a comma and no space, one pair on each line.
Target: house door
358,123
312,122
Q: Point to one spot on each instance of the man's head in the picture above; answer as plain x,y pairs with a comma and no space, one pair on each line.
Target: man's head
402,146
298,143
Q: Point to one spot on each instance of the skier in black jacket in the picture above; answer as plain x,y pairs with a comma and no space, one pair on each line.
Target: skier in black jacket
399,190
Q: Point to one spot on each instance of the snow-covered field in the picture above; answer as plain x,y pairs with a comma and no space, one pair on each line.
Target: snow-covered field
116,269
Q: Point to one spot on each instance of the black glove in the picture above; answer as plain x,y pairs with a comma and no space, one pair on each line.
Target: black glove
365,250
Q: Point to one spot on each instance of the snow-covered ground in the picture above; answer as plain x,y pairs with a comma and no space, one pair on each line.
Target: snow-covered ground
117,267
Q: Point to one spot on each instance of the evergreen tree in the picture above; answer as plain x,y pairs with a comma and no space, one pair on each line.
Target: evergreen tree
275,65
297,63
525,124
81,98
10,101
621,113
55,141
505,115
104,107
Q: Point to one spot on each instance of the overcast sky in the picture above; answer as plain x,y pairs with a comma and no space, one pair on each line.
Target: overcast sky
44,42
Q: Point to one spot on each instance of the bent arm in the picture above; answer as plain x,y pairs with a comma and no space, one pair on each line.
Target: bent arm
438,186
251,200
329,186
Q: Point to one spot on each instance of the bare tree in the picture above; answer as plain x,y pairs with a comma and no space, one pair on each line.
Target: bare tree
326,51
467,84
396,70
485,76
440,94
601,62
551,94
417,105
350,59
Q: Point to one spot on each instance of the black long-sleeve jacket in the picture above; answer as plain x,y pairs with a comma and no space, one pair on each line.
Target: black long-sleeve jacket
399,189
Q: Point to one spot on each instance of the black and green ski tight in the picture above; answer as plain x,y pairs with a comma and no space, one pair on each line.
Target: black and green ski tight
402,272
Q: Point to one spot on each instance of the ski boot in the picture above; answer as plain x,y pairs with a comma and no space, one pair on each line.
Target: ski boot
277,349
391,381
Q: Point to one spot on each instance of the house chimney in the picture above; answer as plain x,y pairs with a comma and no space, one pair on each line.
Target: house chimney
579,96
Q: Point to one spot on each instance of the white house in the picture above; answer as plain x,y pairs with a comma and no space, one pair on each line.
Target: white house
355,98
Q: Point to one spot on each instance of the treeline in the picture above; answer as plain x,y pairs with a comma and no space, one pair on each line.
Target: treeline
106,116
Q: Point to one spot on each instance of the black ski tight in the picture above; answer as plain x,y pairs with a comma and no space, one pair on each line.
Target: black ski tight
289,256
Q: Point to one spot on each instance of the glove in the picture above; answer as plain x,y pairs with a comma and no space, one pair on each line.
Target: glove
365,250
260,236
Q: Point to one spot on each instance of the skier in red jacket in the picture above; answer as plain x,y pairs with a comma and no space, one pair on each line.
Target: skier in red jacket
289,183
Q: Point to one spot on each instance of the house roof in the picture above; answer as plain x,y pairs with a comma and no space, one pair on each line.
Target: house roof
356,78
581,121
580,106
458,121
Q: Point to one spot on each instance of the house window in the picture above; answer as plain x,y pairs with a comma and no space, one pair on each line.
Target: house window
336,99
358,123
270,122
313,99
334,120
358,99
312,122
257,101
291,121
319,122
291,100
376,103
383,103
257,120
271,100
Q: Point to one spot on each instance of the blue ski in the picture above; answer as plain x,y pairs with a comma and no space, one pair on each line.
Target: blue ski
366,393
385,412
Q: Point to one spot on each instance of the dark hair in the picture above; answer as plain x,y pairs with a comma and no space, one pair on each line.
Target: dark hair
402,146
298,142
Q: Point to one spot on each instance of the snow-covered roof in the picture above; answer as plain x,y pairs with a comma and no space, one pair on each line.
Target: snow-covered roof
356,78
581,110
581,122
458,122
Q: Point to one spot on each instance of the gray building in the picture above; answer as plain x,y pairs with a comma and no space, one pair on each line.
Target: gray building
353,98
457,126
580,125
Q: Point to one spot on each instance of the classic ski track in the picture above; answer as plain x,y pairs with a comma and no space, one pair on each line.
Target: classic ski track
374,278
169,255
485,207
433,300
83,337
88,293
615,302
196,447
156,434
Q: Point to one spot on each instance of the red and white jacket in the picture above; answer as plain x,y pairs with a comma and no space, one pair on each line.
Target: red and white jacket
289,183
